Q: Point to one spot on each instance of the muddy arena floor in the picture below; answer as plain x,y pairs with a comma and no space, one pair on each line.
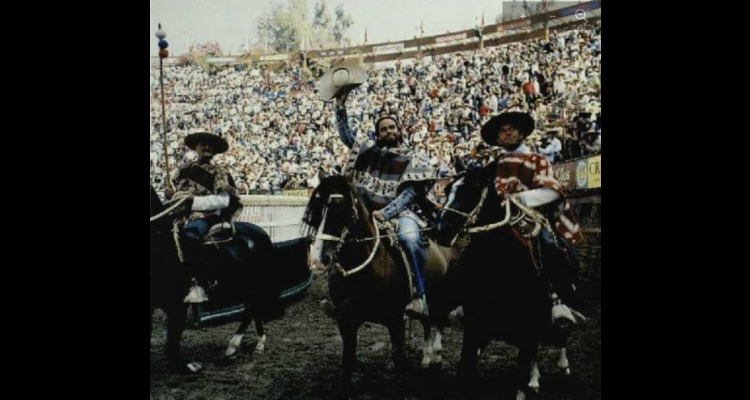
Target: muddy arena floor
303,356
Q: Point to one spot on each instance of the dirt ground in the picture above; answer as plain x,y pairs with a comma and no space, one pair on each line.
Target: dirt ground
303,355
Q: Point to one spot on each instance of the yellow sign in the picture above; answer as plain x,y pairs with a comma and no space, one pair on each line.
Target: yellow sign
595,172
295,193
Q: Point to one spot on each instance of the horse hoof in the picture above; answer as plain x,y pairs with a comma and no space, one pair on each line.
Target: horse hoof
231,351
194,367
261,346
521,395
437,359
234,345
566,371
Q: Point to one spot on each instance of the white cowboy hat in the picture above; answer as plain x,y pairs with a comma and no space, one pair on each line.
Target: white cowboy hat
345,75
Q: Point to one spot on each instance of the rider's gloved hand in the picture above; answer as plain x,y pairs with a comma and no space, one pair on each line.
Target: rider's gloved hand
168,193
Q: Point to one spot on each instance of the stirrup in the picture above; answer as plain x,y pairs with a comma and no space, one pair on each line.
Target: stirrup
196,295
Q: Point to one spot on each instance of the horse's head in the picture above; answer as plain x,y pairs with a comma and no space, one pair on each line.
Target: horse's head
464,197
330,215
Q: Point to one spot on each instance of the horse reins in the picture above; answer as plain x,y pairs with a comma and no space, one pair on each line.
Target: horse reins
341,241
470,217
169,209
175,230
537,218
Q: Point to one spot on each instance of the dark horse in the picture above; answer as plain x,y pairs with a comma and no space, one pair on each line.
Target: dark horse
369,279
250,282
504,295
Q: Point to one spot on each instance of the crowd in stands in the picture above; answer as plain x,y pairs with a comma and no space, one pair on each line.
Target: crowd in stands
282,136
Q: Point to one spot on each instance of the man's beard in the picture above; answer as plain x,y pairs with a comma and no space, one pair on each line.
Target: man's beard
389,142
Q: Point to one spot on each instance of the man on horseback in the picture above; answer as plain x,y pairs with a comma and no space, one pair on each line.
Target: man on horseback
393,182
213,200
529,179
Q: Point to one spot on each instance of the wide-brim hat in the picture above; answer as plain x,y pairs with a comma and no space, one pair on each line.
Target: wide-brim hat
339,77
218,144
519,120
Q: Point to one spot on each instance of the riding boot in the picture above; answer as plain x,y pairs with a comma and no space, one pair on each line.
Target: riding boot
413,245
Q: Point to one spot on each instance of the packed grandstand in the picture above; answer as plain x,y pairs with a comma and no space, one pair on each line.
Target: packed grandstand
283,137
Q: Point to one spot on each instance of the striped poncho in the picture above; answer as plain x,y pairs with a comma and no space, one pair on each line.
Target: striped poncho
521,171
379,175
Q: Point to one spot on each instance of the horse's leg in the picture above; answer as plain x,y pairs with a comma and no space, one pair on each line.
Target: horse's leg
432,345
437,346
234,343
348,328
397,330
261,333
563,363
467,366
535,375
427,350
251,249
176,316
526,362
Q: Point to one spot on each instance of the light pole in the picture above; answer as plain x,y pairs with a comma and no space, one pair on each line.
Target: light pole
163,53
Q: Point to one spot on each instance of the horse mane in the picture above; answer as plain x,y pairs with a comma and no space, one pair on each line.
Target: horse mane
484,172
474,175
313,216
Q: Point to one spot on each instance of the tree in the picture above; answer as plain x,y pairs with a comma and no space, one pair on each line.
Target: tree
321,37
321,17
343,23
288,26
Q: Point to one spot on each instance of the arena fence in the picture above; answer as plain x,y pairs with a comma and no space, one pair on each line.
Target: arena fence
281,218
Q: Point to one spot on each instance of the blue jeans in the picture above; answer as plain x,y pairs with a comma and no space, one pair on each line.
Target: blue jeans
410,239
195,229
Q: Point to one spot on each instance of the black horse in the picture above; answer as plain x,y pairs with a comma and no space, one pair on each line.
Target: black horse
251,282
503,291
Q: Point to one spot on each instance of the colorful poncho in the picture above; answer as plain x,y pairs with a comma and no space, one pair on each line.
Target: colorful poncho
379,175
205,180
518,172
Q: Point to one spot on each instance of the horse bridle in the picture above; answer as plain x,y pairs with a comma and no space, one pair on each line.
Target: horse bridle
341,240
537,218
471,216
